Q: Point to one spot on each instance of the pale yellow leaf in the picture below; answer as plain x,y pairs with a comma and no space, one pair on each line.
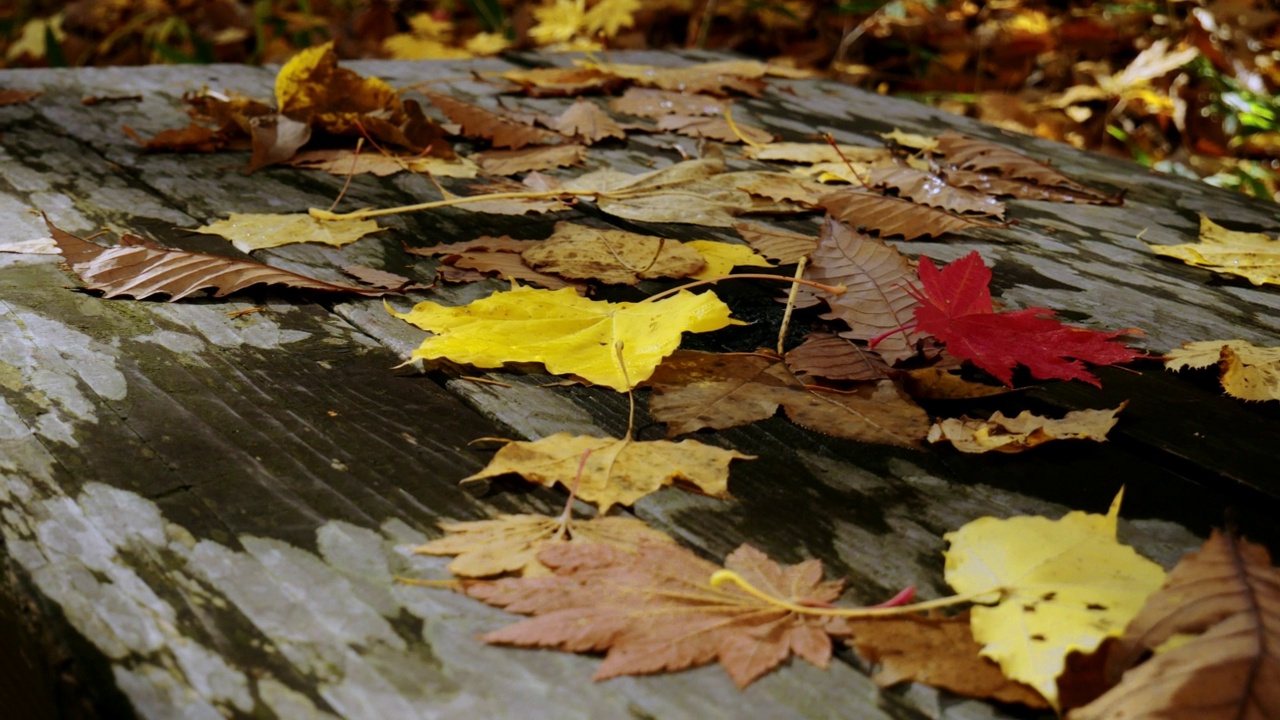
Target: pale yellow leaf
252,231
1008,435
1253,256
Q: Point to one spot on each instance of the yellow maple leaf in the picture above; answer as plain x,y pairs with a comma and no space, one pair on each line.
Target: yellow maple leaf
607,17
1248,372
722,257
567,333
1253,256
1067,585
311,82
254,231
558,21
616,472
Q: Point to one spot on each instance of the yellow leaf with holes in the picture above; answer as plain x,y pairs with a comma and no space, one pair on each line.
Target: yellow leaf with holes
1066,585
254,231
567,333
722,257
616,472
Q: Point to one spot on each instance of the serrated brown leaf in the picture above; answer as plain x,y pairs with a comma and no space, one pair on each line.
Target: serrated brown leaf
139,268
611,256
1223,602
714,128
981,156
540,157
893,216
696,390
926,188
656,610
782,187
877,301
587,121
556,82
1024,189
830,357
511,543
477,122
775,243
647,102
938,651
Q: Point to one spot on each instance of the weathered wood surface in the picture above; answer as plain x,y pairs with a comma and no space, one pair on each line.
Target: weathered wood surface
202,514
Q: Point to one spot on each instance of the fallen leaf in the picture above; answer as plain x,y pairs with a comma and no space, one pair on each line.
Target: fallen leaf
981,156
276,138
812,153
616,472
955,307
611,256
477,122
539,157
696,390
567,333
18,97
929,189
139,268
714,128
1222,606
938,651
510,543
893,216
556,82
934,383
830,357
1009,435
338,161
647,102
715,78
501,243
783,246
1248,372
382,279
1253,256
781,186
1066,585
911,140
713,202
192,138
720,258
657,611
992,184
588,122
877,302
252,231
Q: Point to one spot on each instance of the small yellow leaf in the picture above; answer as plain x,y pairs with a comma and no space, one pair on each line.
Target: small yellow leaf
252,231
1067,585
567,333
1248,372
616,472
722,257
558,21
1253,256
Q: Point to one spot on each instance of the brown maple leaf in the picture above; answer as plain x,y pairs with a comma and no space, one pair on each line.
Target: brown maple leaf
477,122
877,303
139,268
893,216
656,610
1223,603
695,390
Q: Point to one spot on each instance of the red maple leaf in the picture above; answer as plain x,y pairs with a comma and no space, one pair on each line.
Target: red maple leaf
955,307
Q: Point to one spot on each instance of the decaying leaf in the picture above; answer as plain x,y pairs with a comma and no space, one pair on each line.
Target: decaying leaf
890,216
830,357
1253,256
611,256
539,157
616,472
587,121
139,268
939,651
714,127
647,102
1215,631
720,258
929,189
1248,372
1025,431
344,162
877,302
1064,585
783,246
567,333
510,543
254,231
477,122
695,390
657,611
714,201
956,309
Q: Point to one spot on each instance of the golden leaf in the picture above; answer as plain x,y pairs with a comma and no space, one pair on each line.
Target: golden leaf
253,231
1253,256
1248,372
722,257
1009,435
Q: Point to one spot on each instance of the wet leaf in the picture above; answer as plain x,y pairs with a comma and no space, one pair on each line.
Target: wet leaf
1253,256
611,256
1247,371
889,216
929,189
254,231
539,157
646,102
720,258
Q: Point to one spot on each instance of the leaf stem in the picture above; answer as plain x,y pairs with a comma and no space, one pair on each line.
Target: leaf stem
722,577
319,214
833,289
791,304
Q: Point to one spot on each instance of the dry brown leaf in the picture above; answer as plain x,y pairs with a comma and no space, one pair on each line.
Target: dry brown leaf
585,120
1215,631
781,186
783,246
340,161
813,153
938,651
477,122
611,256
695,390
556,82
993,184
894,216
935,383
511,543
616,472
647,102
506,265
501,243
657,611
383,279
929,189
1009,435
715,78
981,156
877,303
540,157
276,138
192,138
830,357
715,201
714,128
139,268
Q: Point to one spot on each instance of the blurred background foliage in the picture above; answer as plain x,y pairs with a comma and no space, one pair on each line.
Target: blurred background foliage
1182,86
